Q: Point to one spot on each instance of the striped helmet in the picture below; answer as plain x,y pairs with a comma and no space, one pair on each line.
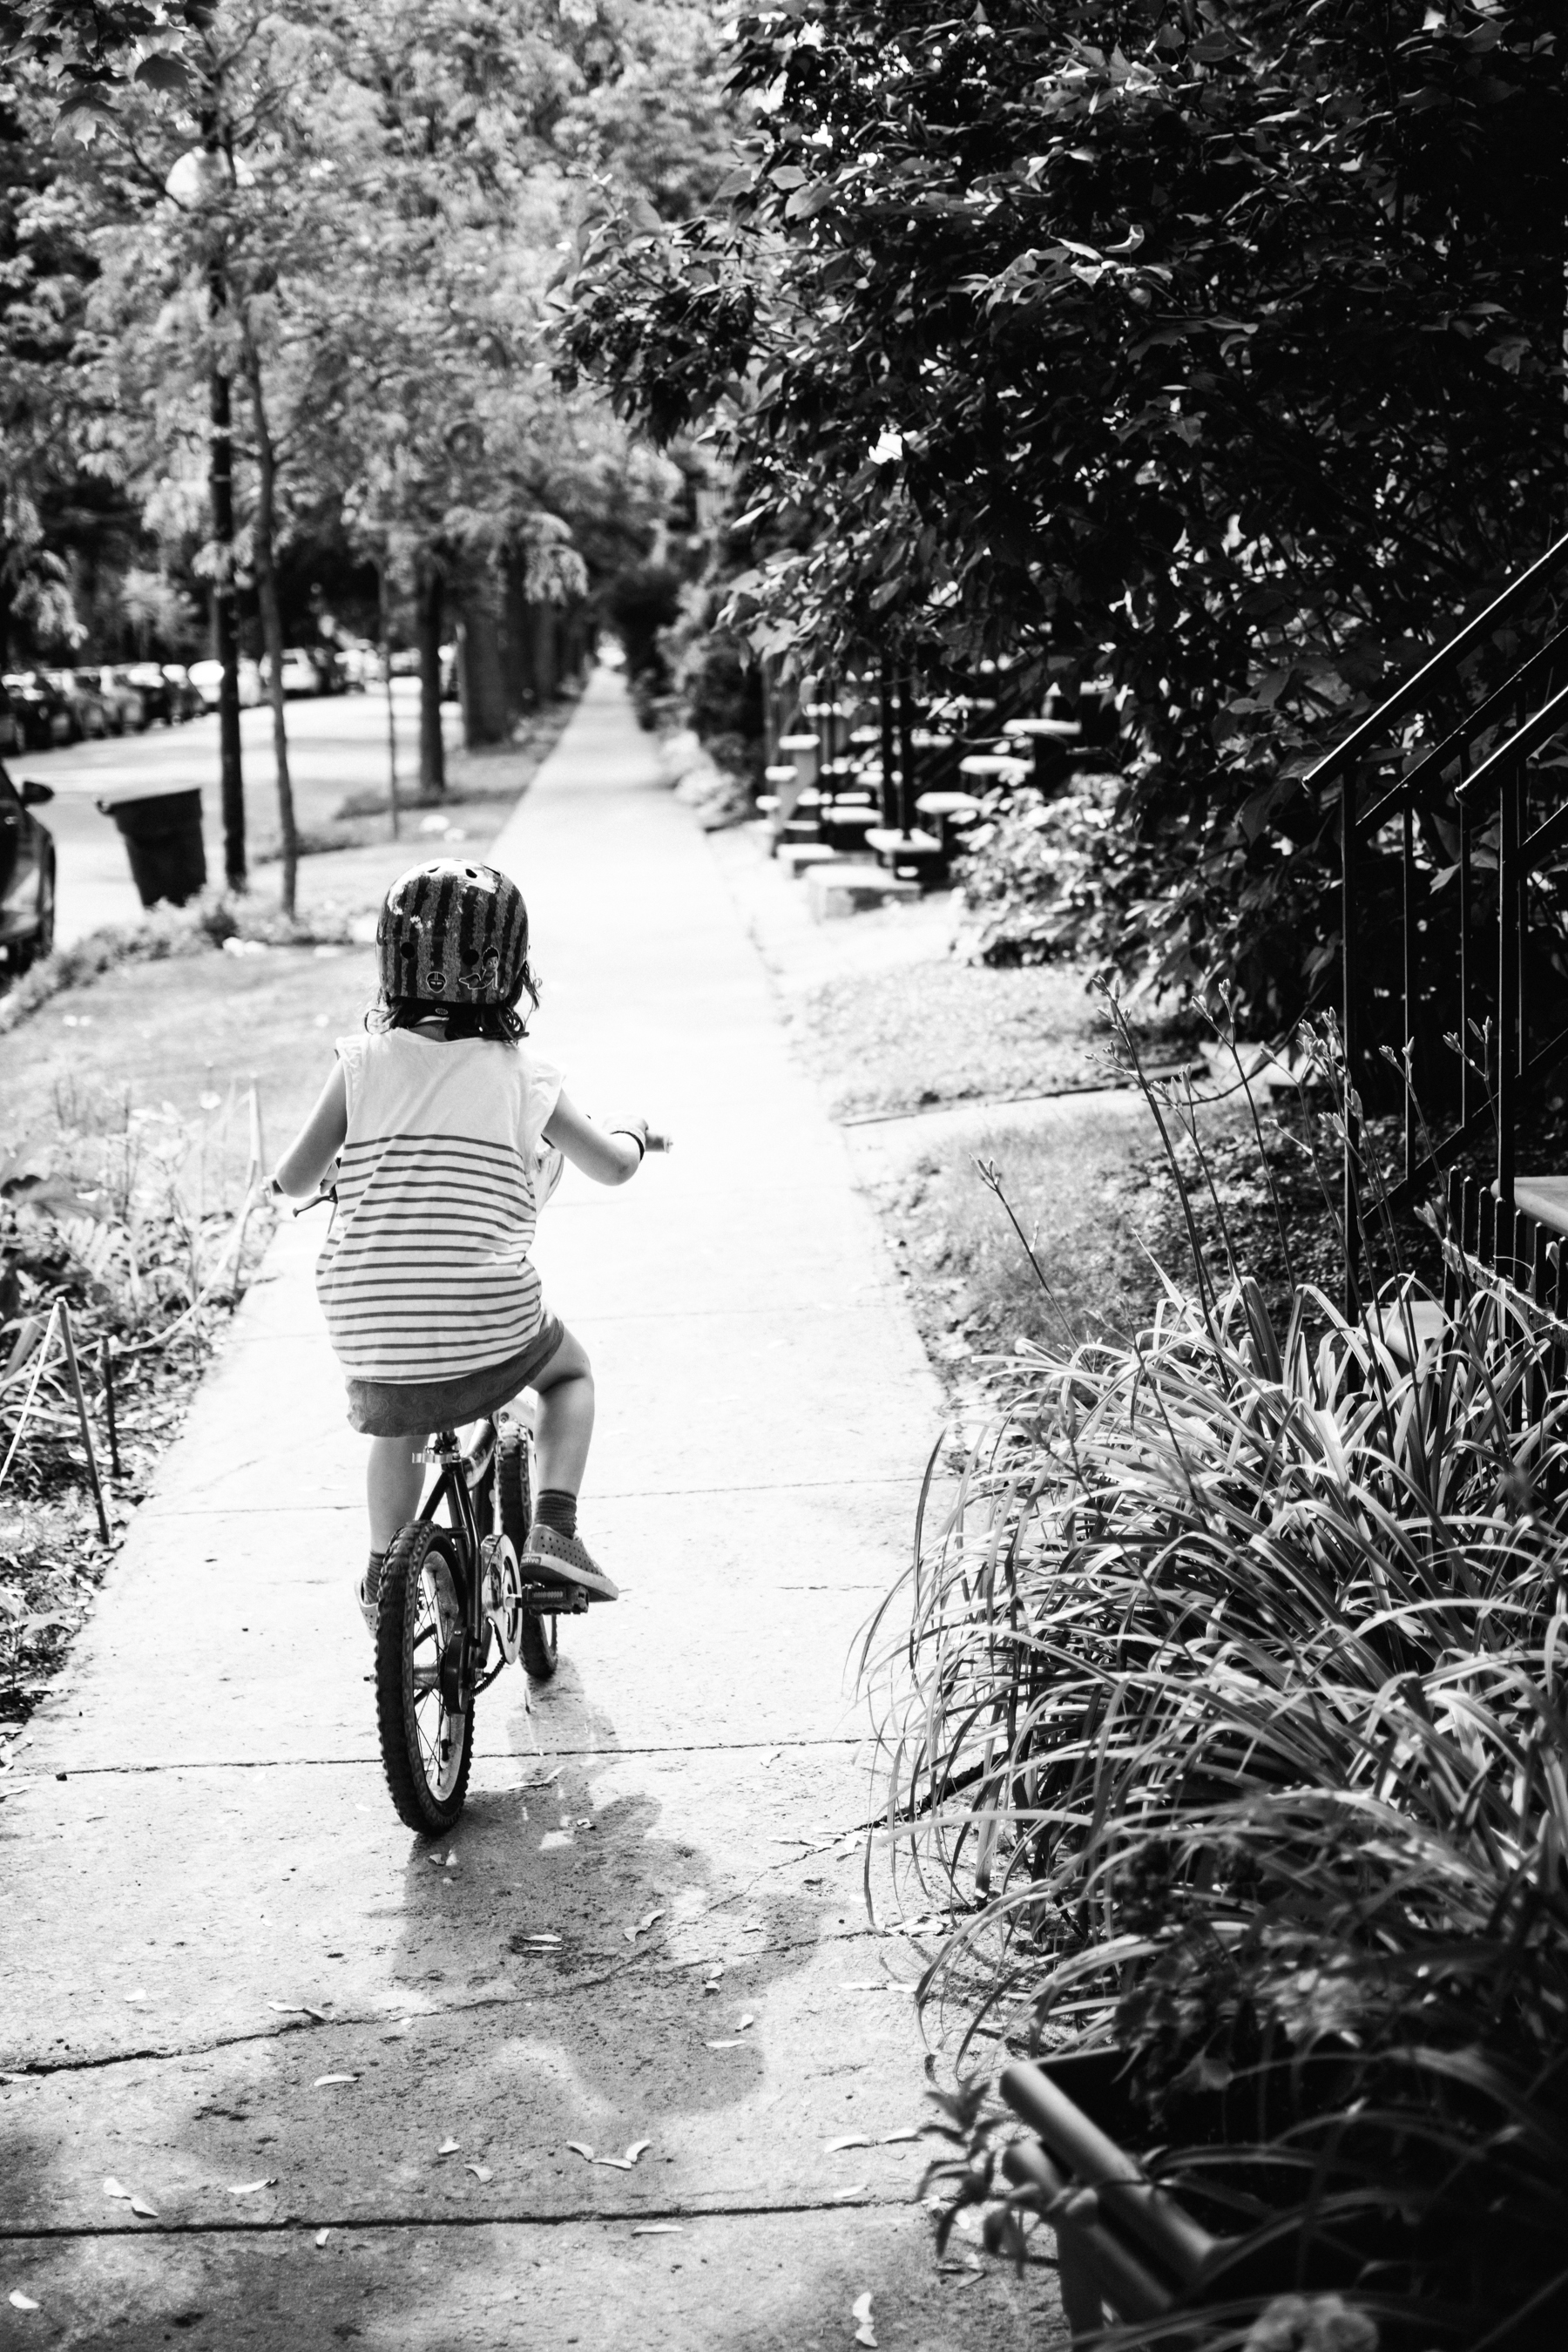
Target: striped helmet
453,933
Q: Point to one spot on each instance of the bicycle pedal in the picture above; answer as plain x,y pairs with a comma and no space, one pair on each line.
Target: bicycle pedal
555,1599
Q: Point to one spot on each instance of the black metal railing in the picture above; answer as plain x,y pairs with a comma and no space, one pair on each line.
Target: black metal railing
1454,930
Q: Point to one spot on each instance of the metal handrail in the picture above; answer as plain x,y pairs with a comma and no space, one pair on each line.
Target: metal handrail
1448,656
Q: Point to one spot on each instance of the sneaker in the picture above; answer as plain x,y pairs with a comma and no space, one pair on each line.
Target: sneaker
370,1592
564,1559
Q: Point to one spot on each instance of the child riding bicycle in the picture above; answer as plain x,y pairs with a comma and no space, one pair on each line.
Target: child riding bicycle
436,1115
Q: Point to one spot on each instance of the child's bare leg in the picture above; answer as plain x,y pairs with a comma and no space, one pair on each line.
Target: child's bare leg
394,1480
561,1430
564,1428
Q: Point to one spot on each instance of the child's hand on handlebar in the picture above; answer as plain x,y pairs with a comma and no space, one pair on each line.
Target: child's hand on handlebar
639,1129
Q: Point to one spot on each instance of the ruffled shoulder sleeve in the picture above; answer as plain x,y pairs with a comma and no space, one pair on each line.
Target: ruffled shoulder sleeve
351,1052
541,1092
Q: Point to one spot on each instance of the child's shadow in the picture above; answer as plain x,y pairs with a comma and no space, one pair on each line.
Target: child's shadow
564,1945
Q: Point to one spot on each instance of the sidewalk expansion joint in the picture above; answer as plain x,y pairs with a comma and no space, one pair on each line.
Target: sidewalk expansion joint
48,2070
154,1508
516,2218
17,1783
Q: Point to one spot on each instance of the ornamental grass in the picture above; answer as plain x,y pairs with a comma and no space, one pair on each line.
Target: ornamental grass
1224,1718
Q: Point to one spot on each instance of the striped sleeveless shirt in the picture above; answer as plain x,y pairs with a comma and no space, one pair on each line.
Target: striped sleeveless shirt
426,1272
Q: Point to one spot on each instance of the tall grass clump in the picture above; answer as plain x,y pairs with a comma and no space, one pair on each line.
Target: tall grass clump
1225,1720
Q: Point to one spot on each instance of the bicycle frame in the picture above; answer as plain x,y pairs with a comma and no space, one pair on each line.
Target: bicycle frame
461,1475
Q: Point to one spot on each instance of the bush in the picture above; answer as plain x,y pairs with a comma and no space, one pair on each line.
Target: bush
145,1223
1224,1722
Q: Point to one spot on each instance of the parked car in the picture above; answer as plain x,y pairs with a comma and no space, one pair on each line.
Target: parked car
299,673
127,709
360,662
86,702
42,713
186,698
205,677
155,691
27,876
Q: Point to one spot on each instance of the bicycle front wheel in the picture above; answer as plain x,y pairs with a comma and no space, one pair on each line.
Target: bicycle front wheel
424,1696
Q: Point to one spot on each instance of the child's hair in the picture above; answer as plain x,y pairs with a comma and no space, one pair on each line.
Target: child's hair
498,1024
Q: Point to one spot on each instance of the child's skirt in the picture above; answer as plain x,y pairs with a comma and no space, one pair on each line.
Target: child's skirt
416,1408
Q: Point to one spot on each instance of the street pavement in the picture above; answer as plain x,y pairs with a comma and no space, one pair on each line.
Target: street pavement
337,746
366,2087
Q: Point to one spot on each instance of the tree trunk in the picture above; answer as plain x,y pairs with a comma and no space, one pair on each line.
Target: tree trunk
545,652
480,665
429,602
385,590
516,645
272,617
226,637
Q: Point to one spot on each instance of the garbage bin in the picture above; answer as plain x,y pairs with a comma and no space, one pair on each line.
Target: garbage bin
163,836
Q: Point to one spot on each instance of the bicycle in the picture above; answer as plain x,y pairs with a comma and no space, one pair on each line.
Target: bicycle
451,1597
450,1594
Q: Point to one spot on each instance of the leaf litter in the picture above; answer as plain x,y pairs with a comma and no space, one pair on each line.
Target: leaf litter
20,2302
137,2204
641,1926
253,2188
865,2325
325,2082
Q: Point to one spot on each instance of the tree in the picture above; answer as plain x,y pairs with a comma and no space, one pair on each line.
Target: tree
1214,348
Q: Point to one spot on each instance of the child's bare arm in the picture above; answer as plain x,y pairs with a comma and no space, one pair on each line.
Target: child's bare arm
318,1141
609,1155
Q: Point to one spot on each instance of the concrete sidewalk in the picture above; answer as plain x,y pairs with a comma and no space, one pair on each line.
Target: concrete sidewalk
213,1916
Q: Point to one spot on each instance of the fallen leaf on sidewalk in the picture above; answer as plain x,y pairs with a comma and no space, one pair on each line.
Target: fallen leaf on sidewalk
298,2009
449,2147
253,2188
111,2188
139,2205
321,2237
395,2033
658,2229
638,2148
726,2046
849,2139
324,2082
20,2302
615,2163
544,1943
481,2172
905,2131
451,1861
579,2147
744,2019
140,1994
641,1926
860,2312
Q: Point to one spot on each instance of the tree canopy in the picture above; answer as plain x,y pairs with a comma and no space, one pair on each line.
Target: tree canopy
1214,348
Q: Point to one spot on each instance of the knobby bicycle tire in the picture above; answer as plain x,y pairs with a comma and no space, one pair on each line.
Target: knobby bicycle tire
422,1602
540,1640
